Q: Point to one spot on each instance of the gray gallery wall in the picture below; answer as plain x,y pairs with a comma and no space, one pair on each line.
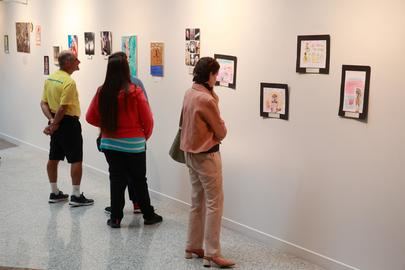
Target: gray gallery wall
331,187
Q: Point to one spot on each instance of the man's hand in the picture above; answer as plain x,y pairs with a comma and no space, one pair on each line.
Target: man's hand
51,128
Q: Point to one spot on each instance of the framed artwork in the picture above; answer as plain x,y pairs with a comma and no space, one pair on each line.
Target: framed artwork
274,100
56,51
227,70
46,65
89,43
106,43
129,47
156,59
313,54
23,31
192,52
38,35
73,44
354,91
6,46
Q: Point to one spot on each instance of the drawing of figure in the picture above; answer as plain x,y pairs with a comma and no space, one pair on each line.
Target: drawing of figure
106,43
306,52
357,99
274,105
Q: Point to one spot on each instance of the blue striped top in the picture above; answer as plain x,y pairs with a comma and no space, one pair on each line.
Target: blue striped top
128,145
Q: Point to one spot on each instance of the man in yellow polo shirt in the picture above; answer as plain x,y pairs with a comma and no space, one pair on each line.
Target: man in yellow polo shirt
60,104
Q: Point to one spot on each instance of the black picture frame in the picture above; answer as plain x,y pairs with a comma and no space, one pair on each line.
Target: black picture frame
222,60
269,108
354,102
301,54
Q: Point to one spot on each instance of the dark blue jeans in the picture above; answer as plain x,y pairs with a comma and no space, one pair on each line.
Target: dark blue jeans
128,169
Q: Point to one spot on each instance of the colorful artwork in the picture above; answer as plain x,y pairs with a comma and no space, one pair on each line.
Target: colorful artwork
46,65
38,35
274,100
73,44
106,43
354,91
192,52
6,46
23,31
227,70
56,51
129,47
156,59
89,43
313,54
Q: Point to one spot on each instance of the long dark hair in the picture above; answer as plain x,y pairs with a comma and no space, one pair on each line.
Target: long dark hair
117,78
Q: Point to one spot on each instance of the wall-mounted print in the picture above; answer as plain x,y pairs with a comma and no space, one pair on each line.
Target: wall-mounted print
38,35
23,31
192,52
56,51
106,42
354,91
89,43
313,54
73,44
156,59
6,46
46,65
129,47
274,100
227,70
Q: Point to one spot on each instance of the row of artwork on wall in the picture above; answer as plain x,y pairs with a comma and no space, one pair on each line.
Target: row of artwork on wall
313,57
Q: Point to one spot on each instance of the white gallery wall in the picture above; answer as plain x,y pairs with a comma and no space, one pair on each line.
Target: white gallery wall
331,187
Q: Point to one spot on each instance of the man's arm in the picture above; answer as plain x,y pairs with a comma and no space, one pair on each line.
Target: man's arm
46,110
53,121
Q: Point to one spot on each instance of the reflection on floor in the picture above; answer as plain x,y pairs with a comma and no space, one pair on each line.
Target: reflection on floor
38,235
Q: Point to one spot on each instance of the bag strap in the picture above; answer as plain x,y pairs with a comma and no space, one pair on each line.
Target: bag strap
181,118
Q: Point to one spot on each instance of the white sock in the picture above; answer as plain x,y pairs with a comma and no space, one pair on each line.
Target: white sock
76,190
54,188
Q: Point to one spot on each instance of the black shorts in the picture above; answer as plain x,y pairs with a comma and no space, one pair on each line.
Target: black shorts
67,141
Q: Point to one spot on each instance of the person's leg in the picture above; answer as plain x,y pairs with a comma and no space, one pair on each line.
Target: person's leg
196,221
76,175
132,197
55,155
118,182
137,171
73,146
209,169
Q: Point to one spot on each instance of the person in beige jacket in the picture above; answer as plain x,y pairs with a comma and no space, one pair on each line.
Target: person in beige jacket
202,132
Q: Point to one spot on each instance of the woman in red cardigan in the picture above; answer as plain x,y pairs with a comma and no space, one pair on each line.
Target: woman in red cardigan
202,132
121,110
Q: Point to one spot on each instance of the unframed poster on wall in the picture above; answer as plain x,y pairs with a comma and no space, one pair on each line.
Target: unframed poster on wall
89,43
129,47
73,44
106,42
192,52
23,31
156,58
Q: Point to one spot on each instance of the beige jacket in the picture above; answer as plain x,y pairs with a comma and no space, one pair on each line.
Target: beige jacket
202,126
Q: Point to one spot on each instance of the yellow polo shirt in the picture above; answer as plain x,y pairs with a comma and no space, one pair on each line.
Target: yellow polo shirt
60,89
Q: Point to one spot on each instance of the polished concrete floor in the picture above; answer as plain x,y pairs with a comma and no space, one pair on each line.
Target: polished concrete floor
35,234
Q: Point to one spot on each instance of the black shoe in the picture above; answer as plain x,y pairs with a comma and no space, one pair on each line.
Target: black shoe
155,218
107,210
80,201
115,223
54,198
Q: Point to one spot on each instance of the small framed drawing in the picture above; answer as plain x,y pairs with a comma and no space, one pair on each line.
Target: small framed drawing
227,71
313,54
274,100
354,91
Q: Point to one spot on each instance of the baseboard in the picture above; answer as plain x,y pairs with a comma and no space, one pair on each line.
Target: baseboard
273,241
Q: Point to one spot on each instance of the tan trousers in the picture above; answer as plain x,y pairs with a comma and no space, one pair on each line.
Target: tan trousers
207,199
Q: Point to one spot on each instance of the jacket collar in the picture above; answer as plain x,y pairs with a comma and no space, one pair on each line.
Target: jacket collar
201,88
